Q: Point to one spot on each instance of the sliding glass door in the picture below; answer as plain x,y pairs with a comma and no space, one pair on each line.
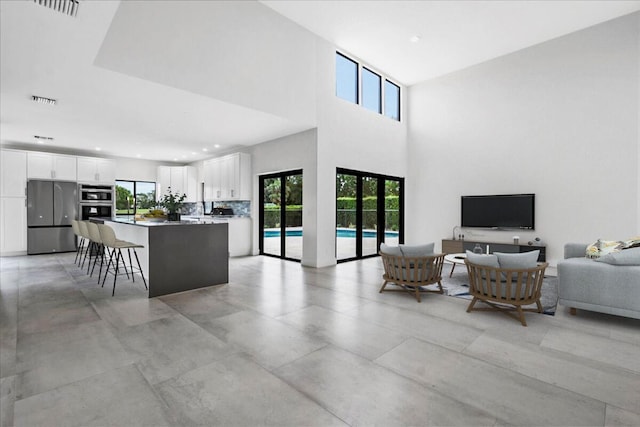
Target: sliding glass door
369,211
281,215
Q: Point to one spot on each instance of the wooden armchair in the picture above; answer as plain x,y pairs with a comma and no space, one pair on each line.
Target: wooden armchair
506,290
410,274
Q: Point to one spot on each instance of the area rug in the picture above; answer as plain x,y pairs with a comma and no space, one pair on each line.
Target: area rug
458,286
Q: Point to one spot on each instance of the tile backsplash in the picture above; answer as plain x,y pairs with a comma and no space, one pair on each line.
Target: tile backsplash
240,207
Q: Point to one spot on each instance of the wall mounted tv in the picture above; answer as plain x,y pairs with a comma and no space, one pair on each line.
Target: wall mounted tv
507,211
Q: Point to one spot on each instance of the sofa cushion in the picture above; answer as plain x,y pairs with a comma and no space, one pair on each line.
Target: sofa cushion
390,250
481,259
518,261
624,257
416,251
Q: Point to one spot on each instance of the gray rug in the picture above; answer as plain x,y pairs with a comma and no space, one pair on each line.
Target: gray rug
458,286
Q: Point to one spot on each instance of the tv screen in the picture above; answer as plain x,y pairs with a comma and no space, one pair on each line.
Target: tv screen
509,211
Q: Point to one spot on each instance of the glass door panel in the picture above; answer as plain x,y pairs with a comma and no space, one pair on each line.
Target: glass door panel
293,222
346,190
369,215
145,197
391,212
271,207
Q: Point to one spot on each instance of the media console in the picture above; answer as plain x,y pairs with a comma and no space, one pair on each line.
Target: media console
457,246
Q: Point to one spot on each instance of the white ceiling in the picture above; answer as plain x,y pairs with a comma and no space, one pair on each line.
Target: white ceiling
42,54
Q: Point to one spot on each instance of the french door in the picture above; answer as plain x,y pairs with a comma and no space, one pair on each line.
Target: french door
281,215
369,211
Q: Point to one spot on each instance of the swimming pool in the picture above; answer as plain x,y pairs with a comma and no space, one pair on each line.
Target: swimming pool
340,232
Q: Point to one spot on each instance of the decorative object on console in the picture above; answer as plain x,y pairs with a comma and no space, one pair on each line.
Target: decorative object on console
477,249
516,240
535,242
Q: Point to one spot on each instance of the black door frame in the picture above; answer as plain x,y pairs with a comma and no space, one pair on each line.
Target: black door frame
283,212
380,220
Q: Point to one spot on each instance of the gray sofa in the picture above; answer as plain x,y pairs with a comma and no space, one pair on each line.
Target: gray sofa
609,285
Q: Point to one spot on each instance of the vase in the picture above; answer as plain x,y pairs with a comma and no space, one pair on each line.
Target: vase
477,249
173,216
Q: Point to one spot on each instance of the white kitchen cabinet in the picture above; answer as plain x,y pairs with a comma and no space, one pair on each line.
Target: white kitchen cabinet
13,225
13,173
96,170
51,166
181,179
228,178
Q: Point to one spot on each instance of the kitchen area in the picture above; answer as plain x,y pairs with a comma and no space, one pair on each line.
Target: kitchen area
43,192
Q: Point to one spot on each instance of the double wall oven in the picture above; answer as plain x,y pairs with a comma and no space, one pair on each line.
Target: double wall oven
95,201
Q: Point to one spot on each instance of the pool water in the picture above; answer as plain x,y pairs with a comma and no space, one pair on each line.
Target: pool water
341,232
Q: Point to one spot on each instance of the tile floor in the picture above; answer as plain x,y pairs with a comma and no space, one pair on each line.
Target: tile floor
286,345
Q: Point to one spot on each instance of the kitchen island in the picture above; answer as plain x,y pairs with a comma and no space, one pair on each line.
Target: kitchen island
177,255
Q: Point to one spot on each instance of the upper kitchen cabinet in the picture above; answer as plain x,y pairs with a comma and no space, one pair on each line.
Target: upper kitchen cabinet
228,178
13,174
96,170
181,179
51,166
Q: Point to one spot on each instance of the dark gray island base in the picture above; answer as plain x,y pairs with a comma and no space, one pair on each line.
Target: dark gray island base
178,256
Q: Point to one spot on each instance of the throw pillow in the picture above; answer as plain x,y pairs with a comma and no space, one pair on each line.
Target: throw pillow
634,242
603,247
390,250
417,250
626,257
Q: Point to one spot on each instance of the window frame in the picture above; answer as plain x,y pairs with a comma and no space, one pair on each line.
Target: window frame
135,195
362,92
357,76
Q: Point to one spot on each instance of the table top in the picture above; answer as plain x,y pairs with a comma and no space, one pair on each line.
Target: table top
456,258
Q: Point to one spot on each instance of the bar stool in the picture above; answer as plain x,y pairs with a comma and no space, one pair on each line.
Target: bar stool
84,232
80,240
99,247
109,239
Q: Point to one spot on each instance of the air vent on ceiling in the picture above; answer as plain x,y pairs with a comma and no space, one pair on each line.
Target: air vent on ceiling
68,7
42,139
43,100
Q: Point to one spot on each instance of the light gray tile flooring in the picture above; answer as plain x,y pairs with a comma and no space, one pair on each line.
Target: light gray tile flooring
282,344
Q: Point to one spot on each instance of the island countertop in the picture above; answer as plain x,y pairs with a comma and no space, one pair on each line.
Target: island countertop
177,255
151,223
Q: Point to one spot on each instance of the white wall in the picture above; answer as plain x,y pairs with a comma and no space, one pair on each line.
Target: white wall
289,153
246,54
137,169
349,136
559,119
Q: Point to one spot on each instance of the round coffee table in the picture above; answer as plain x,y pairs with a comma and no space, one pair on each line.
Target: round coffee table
455,259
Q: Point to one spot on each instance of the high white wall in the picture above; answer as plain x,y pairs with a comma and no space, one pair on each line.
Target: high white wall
349,136
559,119
240,52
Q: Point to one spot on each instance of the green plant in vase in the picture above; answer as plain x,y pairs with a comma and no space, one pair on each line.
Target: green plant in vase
172,202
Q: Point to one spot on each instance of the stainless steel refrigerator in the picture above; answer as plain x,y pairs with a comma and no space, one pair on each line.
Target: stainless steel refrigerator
51,206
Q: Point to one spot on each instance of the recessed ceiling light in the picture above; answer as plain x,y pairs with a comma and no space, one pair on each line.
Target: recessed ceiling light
175,160
415,39
98,148
138,155
43,100
193,153
205,149
217,146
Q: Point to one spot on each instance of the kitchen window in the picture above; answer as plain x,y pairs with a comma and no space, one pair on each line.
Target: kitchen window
135,197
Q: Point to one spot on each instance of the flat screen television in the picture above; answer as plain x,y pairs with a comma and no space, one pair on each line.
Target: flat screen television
506,211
